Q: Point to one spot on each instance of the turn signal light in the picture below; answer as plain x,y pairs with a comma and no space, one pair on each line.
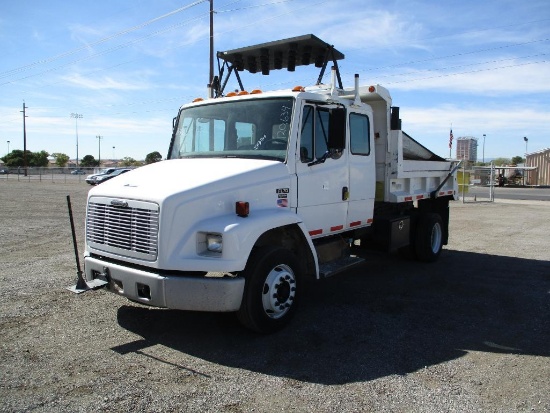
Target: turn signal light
242,208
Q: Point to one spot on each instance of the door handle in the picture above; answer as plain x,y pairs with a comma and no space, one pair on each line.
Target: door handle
345,193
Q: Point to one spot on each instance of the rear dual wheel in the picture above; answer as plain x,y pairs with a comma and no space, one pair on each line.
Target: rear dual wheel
429,237
269,299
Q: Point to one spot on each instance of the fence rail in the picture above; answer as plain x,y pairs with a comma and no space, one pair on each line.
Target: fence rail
47,174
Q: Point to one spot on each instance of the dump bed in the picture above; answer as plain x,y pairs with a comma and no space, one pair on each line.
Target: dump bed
401,177
405,170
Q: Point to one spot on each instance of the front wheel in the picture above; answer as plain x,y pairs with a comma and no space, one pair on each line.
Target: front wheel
269,299
429,237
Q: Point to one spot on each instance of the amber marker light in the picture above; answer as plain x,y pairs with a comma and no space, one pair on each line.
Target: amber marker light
242,208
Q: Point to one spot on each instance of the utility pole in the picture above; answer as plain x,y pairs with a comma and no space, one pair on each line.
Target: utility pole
76,116
24,139
99,157
484,149
525,163
211,75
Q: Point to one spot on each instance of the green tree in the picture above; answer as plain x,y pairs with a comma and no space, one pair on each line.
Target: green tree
88,161
39,159
502,161
517,160
15,158
128,161
153,157
61,159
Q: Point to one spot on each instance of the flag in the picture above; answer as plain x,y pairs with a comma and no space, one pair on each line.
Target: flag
451,139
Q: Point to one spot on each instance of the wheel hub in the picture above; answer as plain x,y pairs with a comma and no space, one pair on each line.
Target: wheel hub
436,238
279,291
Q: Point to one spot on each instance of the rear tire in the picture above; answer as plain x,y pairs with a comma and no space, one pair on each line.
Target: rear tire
429,237
269,299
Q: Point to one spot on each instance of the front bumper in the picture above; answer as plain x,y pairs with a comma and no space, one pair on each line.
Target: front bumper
176,292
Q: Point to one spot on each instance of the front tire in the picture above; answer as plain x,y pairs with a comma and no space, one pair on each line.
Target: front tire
429,237
269,299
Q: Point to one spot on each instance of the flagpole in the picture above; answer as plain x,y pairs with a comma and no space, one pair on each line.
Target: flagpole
451,142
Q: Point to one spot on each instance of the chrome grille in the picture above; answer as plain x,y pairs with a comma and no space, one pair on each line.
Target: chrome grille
127,228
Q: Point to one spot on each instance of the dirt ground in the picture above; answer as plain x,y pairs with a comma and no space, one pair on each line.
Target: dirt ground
468,333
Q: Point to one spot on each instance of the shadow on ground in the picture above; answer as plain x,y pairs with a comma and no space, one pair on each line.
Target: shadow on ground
388,316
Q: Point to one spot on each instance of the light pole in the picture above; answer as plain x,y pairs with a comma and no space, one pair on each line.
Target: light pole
114,155
484,149
8,147
525,163
99,140
76,116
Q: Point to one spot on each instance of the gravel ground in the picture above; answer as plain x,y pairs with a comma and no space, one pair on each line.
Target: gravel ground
468,333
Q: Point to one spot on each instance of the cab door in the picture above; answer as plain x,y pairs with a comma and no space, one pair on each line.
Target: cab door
362,178
323,180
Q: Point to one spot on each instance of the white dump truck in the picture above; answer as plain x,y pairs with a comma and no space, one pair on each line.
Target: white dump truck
263,190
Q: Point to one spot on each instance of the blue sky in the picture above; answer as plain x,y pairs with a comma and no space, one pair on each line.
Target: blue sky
127,66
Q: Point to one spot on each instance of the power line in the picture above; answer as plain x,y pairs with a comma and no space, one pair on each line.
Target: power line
459,54
103,52
100,41
456,66
470,71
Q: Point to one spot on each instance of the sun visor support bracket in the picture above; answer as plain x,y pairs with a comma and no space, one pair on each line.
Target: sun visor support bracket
280,54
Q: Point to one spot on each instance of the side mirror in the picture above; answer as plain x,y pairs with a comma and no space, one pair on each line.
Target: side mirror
337,129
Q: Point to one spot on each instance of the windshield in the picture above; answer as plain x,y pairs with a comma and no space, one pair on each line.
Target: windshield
257,128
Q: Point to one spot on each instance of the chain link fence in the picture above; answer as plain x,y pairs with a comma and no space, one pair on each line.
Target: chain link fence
52,174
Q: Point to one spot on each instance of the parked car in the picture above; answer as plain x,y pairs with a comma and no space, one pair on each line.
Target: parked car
4,171
102,178
78,172
91,178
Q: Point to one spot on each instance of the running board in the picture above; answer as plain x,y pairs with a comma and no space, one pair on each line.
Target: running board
331,268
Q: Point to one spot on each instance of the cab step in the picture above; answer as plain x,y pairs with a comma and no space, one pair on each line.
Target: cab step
331,268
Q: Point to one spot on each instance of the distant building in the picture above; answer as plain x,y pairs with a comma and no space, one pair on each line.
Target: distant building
540,160
466,148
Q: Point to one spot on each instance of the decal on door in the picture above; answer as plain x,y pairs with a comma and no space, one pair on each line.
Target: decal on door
282,197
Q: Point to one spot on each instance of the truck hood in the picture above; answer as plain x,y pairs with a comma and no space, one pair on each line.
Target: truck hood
158,181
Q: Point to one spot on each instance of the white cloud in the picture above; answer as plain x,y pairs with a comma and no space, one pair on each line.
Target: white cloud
513,76
106,82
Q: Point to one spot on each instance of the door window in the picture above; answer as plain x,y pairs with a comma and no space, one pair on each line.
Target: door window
359,129
314,136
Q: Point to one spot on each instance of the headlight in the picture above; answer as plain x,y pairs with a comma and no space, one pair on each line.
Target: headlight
214,243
